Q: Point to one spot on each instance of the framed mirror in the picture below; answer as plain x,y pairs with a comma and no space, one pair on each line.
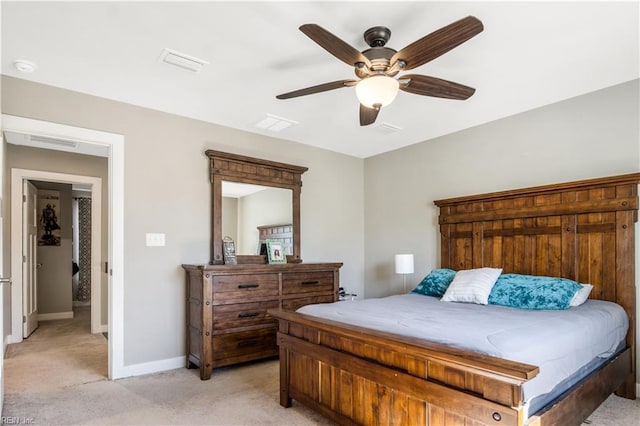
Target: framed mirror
275,190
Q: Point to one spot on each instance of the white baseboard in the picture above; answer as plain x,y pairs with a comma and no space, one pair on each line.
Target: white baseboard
153,366
55,316
104,328
637,390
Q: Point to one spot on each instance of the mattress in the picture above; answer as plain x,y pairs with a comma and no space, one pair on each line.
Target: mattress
561,343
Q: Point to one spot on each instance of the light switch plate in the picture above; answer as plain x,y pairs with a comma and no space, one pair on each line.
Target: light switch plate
155,240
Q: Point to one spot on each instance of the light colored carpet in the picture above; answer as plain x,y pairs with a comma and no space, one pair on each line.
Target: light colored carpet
57,377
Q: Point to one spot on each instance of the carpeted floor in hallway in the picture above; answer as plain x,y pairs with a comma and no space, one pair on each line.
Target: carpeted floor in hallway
58,377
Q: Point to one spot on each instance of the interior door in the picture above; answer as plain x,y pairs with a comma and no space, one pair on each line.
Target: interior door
29,259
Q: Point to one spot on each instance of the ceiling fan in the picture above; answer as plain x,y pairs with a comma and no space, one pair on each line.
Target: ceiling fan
378,66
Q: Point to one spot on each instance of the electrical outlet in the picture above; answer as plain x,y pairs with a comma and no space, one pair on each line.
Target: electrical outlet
155,240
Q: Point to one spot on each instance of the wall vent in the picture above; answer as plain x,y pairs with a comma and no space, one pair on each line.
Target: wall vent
387,128
182,60
51,141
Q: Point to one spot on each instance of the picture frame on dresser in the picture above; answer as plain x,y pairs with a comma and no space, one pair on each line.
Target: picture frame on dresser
275,252
262,248
229,251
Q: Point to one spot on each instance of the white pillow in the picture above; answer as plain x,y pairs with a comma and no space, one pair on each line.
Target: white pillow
472,285
581,295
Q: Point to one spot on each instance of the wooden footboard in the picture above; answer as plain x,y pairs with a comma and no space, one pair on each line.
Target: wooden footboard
358,376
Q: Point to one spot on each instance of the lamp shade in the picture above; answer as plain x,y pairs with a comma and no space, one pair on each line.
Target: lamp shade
404,264
378,90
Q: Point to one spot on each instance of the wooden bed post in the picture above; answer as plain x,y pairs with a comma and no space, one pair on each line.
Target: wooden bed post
625,289
285,397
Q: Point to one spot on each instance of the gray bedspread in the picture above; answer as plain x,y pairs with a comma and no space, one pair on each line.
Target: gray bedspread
558,342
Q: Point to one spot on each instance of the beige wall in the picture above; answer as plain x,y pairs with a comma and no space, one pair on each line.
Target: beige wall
589,136
167,190
54,276
230,219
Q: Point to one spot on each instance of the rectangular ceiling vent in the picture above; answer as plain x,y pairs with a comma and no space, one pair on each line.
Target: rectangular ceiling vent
37,141
51,141
387,128
274,123
182,60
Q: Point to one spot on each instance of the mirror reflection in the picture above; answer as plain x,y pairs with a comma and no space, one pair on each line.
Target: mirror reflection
251,210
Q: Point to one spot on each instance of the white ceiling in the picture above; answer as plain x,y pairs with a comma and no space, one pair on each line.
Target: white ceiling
239,190
529,55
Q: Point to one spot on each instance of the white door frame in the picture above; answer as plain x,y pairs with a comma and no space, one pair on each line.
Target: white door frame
115,145
18,176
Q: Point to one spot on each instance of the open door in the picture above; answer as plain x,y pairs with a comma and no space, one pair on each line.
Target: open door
29,259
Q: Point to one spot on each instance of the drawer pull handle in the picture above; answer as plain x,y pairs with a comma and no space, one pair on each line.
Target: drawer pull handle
247,343
316,282
248,314
248,285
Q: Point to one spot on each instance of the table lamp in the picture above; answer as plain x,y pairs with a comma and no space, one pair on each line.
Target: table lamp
404,266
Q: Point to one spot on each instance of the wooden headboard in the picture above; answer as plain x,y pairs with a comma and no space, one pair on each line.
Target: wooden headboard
580,230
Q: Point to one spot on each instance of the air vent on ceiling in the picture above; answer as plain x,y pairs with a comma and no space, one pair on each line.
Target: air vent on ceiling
387,128
274,123
182,60
37,141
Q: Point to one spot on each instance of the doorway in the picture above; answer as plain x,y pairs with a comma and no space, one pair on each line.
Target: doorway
18,176
91,139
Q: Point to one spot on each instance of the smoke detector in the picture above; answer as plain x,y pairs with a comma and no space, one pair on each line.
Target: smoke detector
23,65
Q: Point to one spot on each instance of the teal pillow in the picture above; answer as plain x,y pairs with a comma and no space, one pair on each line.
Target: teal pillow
533,292
436,283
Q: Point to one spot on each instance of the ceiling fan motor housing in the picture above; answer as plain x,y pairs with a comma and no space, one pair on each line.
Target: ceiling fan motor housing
380,58
377,36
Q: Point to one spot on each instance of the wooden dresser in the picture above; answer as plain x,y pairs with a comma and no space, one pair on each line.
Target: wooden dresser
227,320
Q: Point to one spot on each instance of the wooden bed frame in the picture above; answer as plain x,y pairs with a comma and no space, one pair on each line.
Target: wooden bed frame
580,230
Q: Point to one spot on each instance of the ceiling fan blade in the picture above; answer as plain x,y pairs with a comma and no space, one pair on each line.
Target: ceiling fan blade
317,89
368,115
438,42
332,44
432,86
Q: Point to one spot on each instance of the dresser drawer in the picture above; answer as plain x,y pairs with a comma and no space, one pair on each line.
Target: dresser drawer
307,282
261,341
227,287
243,314
293,304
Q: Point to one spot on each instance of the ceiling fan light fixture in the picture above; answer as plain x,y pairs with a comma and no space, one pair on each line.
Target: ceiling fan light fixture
377,90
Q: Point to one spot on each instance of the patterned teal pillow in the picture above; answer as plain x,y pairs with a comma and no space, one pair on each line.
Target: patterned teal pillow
436,283
533,292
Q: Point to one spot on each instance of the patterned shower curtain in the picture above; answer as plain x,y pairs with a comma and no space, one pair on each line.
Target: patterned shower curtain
84,248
